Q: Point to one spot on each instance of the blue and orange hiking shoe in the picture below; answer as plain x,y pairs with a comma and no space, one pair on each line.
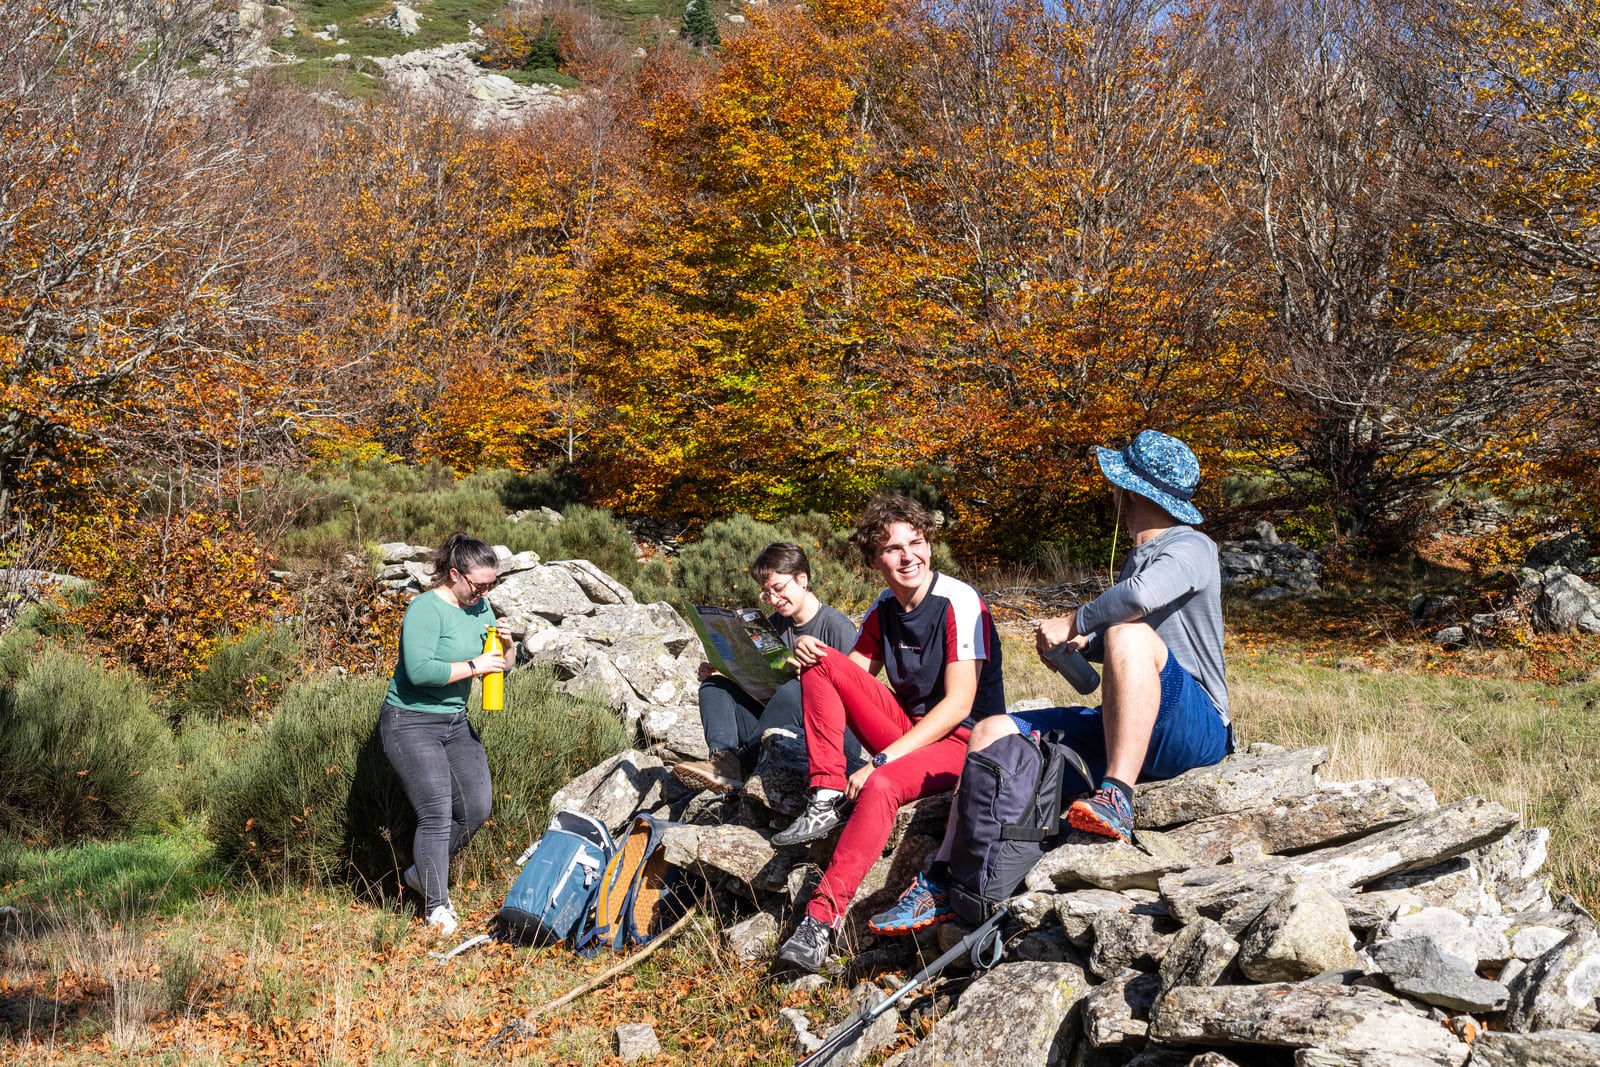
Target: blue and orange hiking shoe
1106,813
925,903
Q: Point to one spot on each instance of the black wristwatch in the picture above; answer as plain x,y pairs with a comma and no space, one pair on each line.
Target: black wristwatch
879,759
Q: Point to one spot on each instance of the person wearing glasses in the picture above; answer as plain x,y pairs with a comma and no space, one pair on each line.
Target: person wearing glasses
434,750
734,720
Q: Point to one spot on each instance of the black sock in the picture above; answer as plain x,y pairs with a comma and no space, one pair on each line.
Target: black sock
1122,787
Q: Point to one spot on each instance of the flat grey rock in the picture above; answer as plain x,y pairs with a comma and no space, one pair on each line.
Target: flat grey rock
1351,1020
1238,782
1014,1016
1417,969
1548,1048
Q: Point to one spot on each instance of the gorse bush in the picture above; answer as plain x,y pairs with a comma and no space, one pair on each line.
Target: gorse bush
243,677
83,751
316,800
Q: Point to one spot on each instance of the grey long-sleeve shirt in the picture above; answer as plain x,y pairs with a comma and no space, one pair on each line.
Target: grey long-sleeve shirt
1173,583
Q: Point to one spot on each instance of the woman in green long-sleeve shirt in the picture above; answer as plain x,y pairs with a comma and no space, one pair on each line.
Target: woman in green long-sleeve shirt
434,750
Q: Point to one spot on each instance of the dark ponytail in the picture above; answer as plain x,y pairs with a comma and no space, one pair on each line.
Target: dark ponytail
461,553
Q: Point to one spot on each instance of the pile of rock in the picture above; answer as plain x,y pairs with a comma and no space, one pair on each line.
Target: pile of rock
1268,917
1269,565
1550,597
448,74
572,617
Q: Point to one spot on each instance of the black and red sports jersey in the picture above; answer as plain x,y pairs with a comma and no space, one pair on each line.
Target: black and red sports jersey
951,623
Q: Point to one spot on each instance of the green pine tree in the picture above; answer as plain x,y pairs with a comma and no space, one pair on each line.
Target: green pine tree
700,25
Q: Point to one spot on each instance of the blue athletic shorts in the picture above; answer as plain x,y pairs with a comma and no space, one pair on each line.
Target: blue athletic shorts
1189,731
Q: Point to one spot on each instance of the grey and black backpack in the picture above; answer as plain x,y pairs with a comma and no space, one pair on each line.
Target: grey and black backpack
1008,805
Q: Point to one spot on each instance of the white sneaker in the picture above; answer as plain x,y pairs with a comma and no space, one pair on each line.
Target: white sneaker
443,920
413,879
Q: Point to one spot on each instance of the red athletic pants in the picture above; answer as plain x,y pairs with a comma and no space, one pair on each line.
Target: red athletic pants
834,693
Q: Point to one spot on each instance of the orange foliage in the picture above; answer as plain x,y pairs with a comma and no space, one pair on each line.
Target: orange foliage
167,590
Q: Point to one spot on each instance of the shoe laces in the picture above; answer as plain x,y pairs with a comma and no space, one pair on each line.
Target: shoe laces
1112,797
921,893
812,933
817,807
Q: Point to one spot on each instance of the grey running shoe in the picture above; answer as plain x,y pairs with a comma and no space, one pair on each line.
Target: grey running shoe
820,817
807,948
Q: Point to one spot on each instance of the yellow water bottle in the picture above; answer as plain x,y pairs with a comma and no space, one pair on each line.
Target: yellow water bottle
494,683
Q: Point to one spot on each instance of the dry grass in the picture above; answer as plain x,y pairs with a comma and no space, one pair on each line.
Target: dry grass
313,976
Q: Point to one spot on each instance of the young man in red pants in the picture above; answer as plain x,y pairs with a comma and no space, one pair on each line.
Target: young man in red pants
933,637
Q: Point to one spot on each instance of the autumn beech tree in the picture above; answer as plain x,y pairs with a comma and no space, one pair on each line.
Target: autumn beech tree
1338,124
1064,283
140,305
1519,179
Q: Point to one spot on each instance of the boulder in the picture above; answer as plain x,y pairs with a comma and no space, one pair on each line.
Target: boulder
1199,955
1301,933
1091,860
1557,990
879,1033
547,592
1478,939
781,779
752,939
1548,1048
1076,911
635,1041
1566,603
1416,968
1117,1014
1136,938
596,584
1235,897
1511,868
1259,776
1014,1016
613,791
1333,813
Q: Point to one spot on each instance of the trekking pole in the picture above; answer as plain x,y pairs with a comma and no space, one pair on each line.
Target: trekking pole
972,943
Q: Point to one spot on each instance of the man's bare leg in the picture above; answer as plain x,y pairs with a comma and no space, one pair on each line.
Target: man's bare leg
1130,696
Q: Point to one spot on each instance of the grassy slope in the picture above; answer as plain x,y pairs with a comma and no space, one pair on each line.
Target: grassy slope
442,22
197,975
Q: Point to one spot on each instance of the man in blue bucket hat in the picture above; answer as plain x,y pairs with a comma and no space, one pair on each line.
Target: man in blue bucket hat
1158,634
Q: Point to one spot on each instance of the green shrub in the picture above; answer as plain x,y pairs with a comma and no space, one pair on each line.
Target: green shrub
587,533
84,754
555,487
286,812
208,754
712,570
317,801
243,677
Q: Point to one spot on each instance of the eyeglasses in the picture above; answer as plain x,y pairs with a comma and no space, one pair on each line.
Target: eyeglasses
771,595
479,588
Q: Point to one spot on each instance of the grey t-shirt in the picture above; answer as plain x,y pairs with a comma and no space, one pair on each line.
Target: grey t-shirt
1173,583
829,625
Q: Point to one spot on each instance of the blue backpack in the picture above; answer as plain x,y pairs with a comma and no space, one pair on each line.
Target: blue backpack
554,895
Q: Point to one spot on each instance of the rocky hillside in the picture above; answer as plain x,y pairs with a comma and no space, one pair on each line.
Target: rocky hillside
353,49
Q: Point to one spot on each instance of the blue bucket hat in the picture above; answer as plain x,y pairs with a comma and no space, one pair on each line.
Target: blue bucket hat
1159,467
